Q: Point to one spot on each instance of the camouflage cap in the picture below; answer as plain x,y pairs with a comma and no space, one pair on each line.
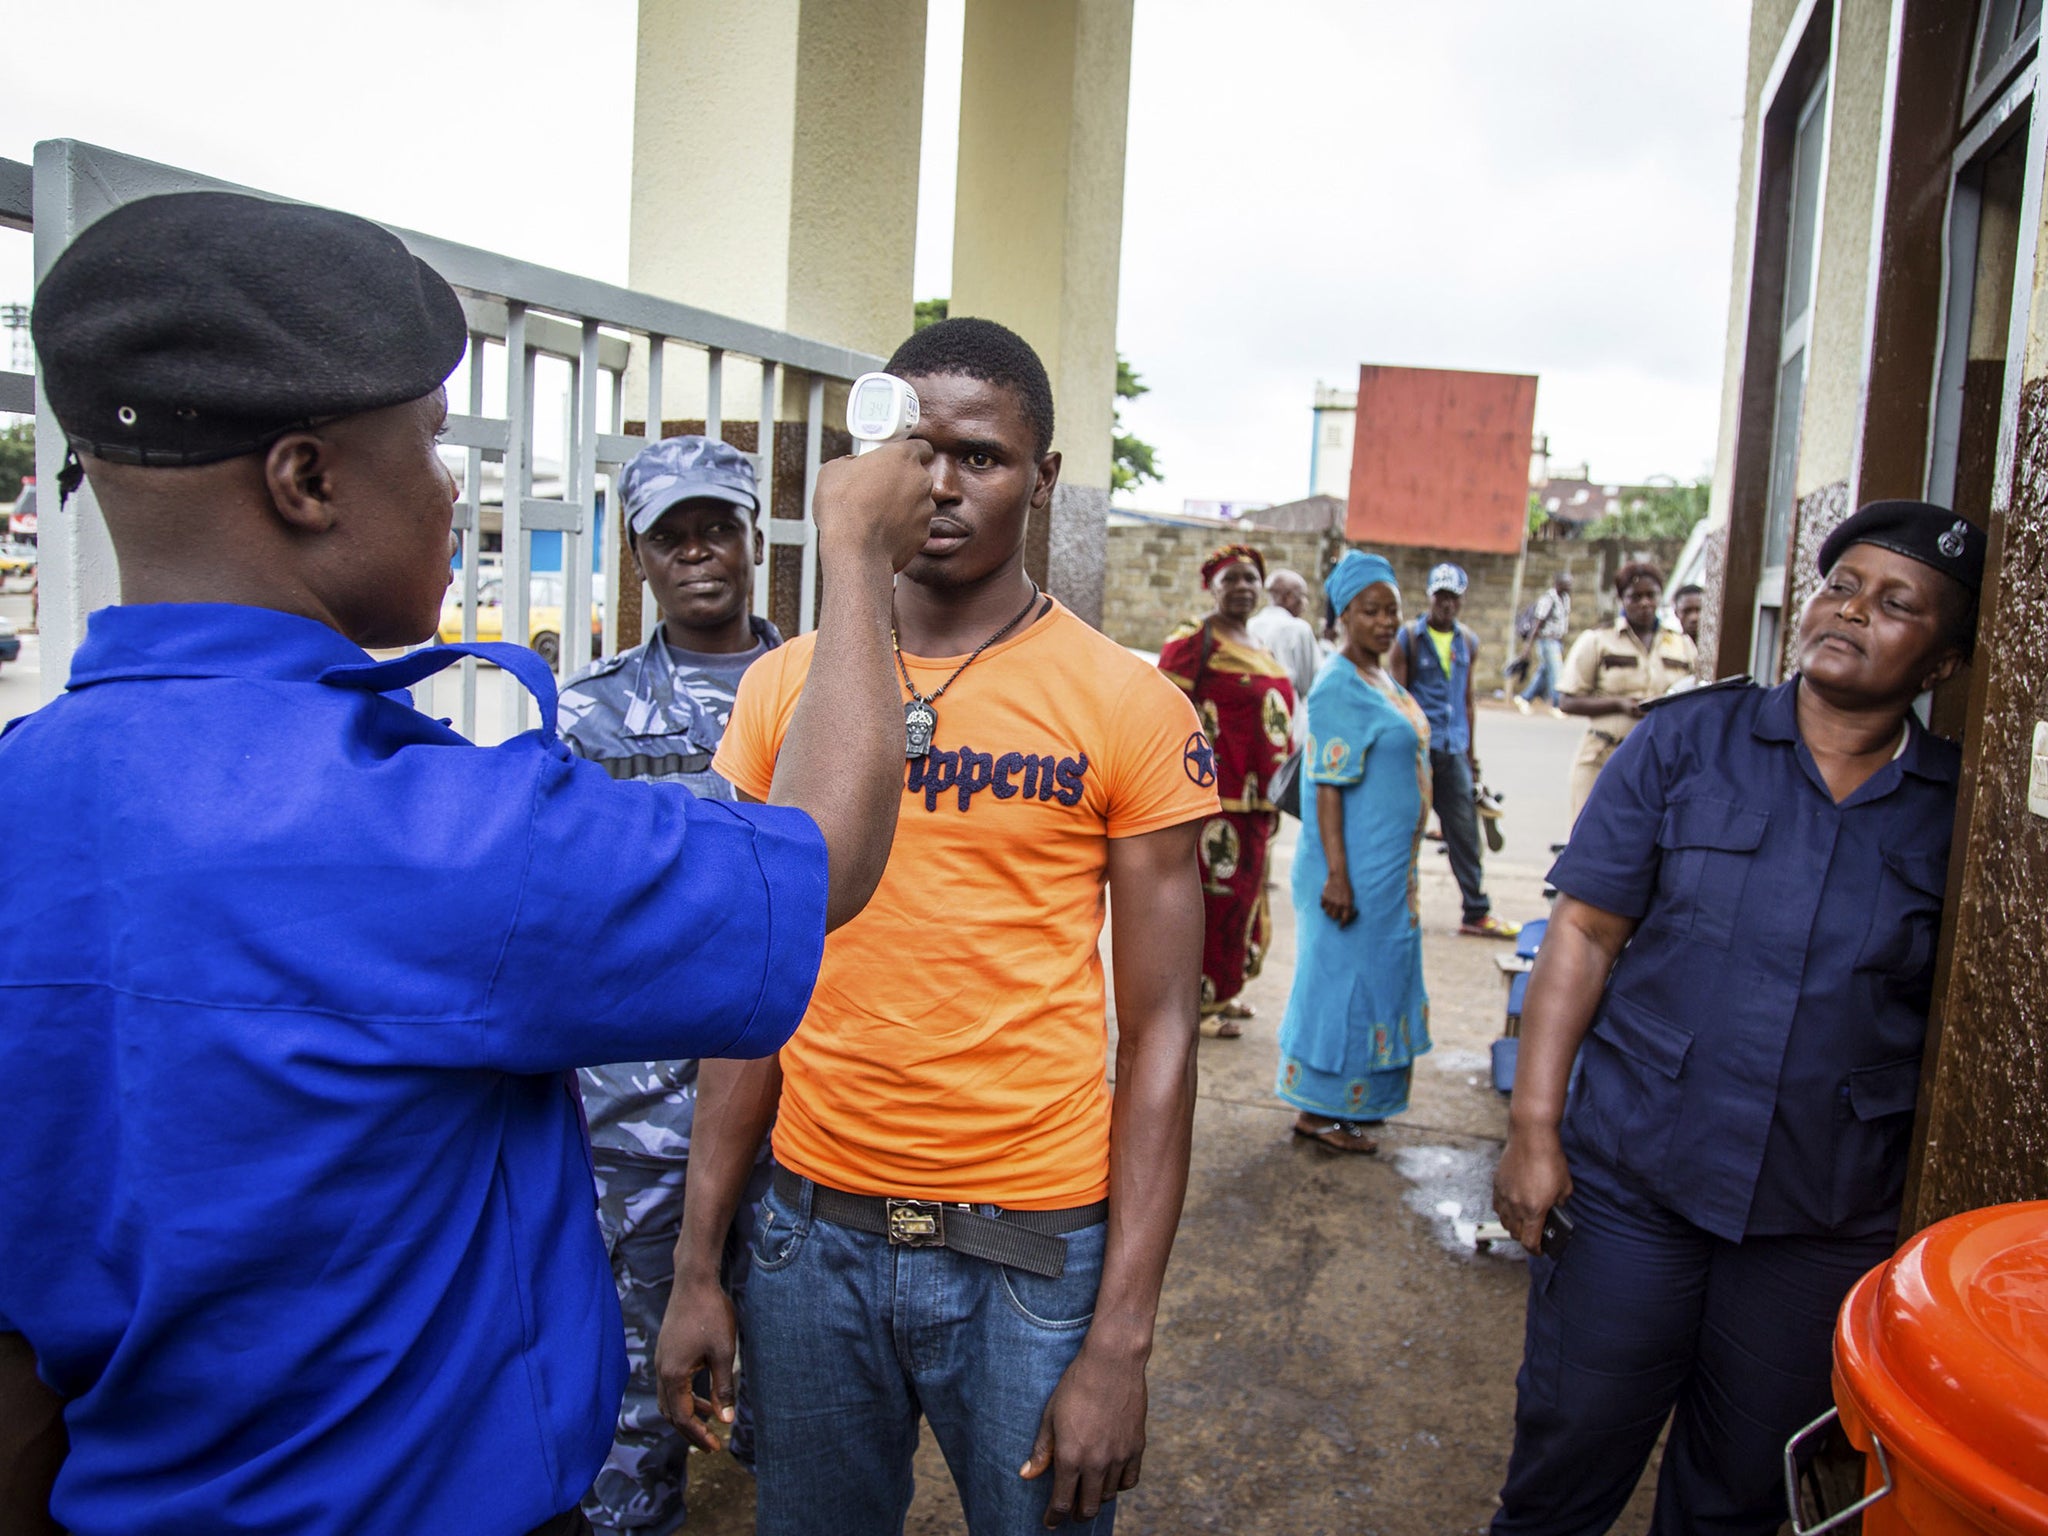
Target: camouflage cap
679,469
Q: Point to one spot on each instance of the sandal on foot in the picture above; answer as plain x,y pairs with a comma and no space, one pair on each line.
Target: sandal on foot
1491,927
1221,1026
1338,1135
1237,1010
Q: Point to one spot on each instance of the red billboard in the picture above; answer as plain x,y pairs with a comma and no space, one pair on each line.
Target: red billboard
1440,458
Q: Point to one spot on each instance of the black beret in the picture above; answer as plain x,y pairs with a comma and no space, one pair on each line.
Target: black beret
199,326
1919,530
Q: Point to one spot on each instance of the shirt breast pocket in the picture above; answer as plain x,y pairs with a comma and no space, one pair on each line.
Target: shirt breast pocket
1905,915
1706,849
1631,1083
1873,1129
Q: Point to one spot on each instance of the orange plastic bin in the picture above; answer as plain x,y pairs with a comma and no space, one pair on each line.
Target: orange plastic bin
1941,1379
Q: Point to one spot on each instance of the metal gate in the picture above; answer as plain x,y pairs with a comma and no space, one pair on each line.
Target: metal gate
515,309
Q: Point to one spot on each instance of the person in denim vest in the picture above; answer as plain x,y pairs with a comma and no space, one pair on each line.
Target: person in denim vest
1434,658
1740,962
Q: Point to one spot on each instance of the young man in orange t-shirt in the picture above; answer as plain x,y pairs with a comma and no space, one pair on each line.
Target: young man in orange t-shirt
965,1223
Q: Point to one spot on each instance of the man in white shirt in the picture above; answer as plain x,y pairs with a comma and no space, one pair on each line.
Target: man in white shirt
1281,629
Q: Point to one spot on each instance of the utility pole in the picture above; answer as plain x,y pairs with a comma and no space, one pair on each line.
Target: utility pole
20,356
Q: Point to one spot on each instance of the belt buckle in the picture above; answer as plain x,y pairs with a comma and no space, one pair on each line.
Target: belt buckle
916,1223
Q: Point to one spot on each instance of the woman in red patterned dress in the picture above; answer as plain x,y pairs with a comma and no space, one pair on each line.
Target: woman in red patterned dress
1247,706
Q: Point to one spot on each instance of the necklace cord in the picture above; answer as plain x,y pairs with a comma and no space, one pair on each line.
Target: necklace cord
933,698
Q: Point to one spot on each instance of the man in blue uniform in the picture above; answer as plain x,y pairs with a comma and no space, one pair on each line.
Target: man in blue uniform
294,1194
1741,959
658,711
1435,658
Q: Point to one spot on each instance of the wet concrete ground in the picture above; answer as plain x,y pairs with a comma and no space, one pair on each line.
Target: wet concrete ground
1333,1358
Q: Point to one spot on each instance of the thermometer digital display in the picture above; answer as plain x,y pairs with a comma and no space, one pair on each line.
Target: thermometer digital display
880,408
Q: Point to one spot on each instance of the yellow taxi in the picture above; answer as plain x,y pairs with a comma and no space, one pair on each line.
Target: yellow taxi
543,614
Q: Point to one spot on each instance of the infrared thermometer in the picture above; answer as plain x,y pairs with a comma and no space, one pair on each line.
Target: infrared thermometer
880,408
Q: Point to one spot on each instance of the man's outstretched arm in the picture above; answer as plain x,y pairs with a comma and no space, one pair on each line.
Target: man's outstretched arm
841,762
1092,1436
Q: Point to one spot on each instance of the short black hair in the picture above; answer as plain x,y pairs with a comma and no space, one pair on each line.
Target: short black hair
1690,589
981,349
1633,572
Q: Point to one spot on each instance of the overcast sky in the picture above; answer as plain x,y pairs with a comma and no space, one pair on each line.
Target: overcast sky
1311,184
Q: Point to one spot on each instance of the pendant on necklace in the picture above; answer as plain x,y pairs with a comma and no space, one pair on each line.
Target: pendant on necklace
919,721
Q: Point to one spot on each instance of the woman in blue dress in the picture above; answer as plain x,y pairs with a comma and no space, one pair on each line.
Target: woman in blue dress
1358,1016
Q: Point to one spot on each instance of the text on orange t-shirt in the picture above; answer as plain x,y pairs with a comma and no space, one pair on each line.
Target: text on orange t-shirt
954,1046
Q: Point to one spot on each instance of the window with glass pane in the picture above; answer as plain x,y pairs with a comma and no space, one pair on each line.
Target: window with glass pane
2005,28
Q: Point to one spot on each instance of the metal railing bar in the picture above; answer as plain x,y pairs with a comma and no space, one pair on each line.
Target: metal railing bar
764,477
656,345
18,393
17,196
607,524
787,531
546,334
615,449
518,481
487,273
475,430
472,538
714,394
544,513
574,653
814,453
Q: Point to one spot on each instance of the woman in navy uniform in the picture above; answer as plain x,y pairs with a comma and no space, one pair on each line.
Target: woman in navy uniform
1741,959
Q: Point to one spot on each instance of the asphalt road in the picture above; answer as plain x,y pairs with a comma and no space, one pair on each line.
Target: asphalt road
20,681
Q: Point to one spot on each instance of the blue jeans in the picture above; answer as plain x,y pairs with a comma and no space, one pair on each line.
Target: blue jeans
1451,792
850,1340
1549,667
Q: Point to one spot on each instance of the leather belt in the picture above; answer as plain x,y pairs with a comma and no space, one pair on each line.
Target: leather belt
1027,1240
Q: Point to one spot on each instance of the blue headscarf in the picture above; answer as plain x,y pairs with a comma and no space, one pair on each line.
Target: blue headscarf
1354,573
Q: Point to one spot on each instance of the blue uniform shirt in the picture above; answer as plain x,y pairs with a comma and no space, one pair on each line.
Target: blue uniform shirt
294,1197
1756,1055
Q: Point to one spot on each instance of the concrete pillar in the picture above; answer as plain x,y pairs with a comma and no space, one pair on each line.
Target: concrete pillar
775,154
1038,233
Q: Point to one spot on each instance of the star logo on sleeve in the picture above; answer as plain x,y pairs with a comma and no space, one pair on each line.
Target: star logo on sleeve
1199,758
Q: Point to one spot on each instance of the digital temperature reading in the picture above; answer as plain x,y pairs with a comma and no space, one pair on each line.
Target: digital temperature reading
880,408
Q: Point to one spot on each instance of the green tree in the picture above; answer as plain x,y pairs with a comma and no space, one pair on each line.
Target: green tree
1657,512
1133,461
17,457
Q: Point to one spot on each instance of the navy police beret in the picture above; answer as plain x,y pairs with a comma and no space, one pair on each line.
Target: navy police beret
1918,530
199,326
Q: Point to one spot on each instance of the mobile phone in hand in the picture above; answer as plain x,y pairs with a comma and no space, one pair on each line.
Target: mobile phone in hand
1557,1232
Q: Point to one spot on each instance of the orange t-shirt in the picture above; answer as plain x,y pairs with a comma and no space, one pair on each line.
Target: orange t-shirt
954,1046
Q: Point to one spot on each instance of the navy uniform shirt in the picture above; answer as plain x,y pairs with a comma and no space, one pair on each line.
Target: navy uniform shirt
1756,1055
294,1197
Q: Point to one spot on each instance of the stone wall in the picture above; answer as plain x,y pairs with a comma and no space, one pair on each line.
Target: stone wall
1153,578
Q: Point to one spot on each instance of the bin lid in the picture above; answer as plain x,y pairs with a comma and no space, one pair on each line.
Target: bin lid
1945,1350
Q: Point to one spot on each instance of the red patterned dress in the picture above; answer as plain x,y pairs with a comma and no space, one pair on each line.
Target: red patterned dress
1247,709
